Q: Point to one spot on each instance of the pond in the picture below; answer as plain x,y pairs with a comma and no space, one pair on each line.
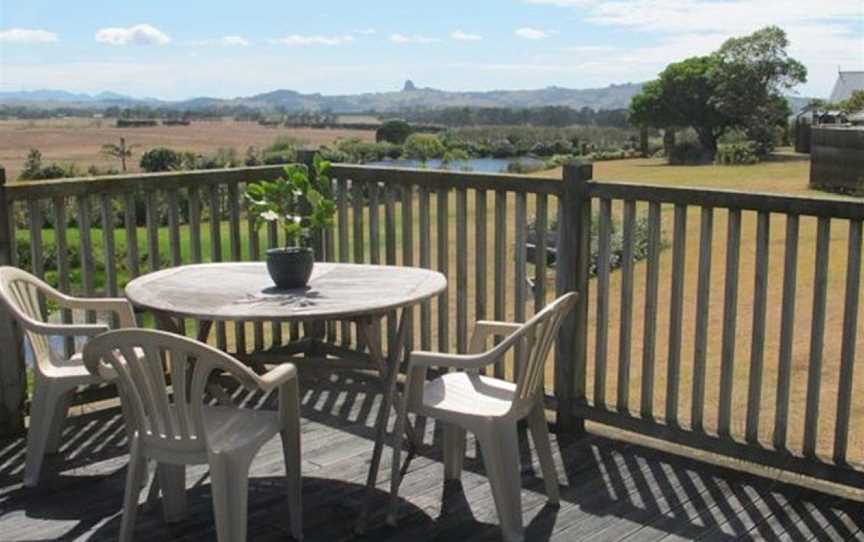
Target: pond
478,165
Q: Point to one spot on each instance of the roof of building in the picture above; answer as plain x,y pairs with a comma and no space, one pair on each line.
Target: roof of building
847,83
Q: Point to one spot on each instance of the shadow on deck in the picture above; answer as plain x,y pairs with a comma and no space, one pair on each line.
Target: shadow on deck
611,490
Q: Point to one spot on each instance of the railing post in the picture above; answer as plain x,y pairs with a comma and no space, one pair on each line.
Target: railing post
573,258
13,381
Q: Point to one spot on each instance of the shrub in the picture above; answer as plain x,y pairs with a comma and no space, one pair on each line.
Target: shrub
161,159
616,241
520,167
423,147
734,154
688,152
393,131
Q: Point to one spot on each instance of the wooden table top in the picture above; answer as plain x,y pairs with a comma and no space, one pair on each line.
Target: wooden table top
244,291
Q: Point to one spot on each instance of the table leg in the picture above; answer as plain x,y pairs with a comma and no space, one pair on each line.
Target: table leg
389,370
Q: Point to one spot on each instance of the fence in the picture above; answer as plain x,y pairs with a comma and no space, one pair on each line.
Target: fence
837,159
473,228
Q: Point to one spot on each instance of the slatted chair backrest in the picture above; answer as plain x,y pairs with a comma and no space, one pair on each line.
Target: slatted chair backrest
163,379
540,333
24,295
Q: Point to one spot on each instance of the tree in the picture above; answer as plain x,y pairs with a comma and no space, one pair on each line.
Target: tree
739,86
423,147
161,159
393,131
854,104
682,97
751,77
121,151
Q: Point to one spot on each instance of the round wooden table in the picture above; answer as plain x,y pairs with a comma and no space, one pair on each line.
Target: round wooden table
244,292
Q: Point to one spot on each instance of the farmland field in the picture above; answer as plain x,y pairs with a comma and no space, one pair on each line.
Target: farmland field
79,140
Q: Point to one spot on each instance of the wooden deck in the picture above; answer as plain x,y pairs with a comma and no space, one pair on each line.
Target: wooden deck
611,490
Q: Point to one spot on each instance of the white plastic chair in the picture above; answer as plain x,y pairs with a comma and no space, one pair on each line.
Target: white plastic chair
488,407
55,376
174,426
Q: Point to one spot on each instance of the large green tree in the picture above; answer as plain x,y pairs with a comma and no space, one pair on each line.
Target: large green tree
682,97
740,86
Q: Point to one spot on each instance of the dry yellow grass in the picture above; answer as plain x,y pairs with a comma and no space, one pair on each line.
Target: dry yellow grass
79,141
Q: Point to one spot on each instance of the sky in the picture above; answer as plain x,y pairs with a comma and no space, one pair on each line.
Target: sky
185,48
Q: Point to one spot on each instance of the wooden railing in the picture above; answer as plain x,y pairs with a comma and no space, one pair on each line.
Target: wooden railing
692,385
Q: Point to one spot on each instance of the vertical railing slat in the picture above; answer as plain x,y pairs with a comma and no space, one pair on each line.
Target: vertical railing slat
236,254
703,303
131,220
541,226
344,250
108,247
407,195
390,249
195,223
730,320
649,339
151,217
676,314
625,331
601,348
173,203
461,270
216,251
520,277
500,265
787,332
757,345
426,262
357,222
34,212
817,336
63,271
85,240
850,334
481,249
442,211
255,255
374,230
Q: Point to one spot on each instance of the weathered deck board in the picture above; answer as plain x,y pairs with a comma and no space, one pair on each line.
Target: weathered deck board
611,490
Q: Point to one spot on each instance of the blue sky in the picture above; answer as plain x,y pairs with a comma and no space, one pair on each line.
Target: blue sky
180,49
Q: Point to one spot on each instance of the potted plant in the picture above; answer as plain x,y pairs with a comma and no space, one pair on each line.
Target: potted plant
299,204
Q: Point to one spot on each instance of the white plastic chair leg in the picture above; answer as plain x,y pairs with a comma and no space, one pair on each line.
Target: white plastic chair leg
42,410
172,484
500,449
291,451
454,451
540,435
58,420
135,475
229,478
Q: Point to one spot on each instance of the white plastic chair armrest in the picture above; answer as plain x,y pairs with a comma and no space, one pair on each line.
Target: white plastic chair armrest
119,306
66,330
274,378
490,327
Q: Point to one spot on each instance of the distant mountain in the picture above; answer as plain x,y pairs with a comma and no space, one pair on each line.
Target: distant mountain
410,97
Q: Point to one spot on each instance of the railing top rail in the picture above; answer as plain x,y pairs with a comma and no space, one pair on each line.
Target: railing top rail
730,199
435,179
83,186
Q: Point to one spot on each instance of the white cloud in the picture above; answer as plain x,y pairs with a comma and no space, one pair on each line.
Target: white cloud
140,34
459,35
235,40
297,39
365,31
402,38
531,33
27,35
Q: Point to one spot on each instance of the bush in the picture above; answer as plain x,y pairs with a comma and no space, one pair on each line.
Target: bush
735,154
688,153
35,171
393,131
161,159
520,167
423,147
616,241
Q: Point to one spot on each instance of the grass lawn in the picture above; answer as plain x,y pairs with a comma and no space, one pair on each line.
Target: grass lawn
786,174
